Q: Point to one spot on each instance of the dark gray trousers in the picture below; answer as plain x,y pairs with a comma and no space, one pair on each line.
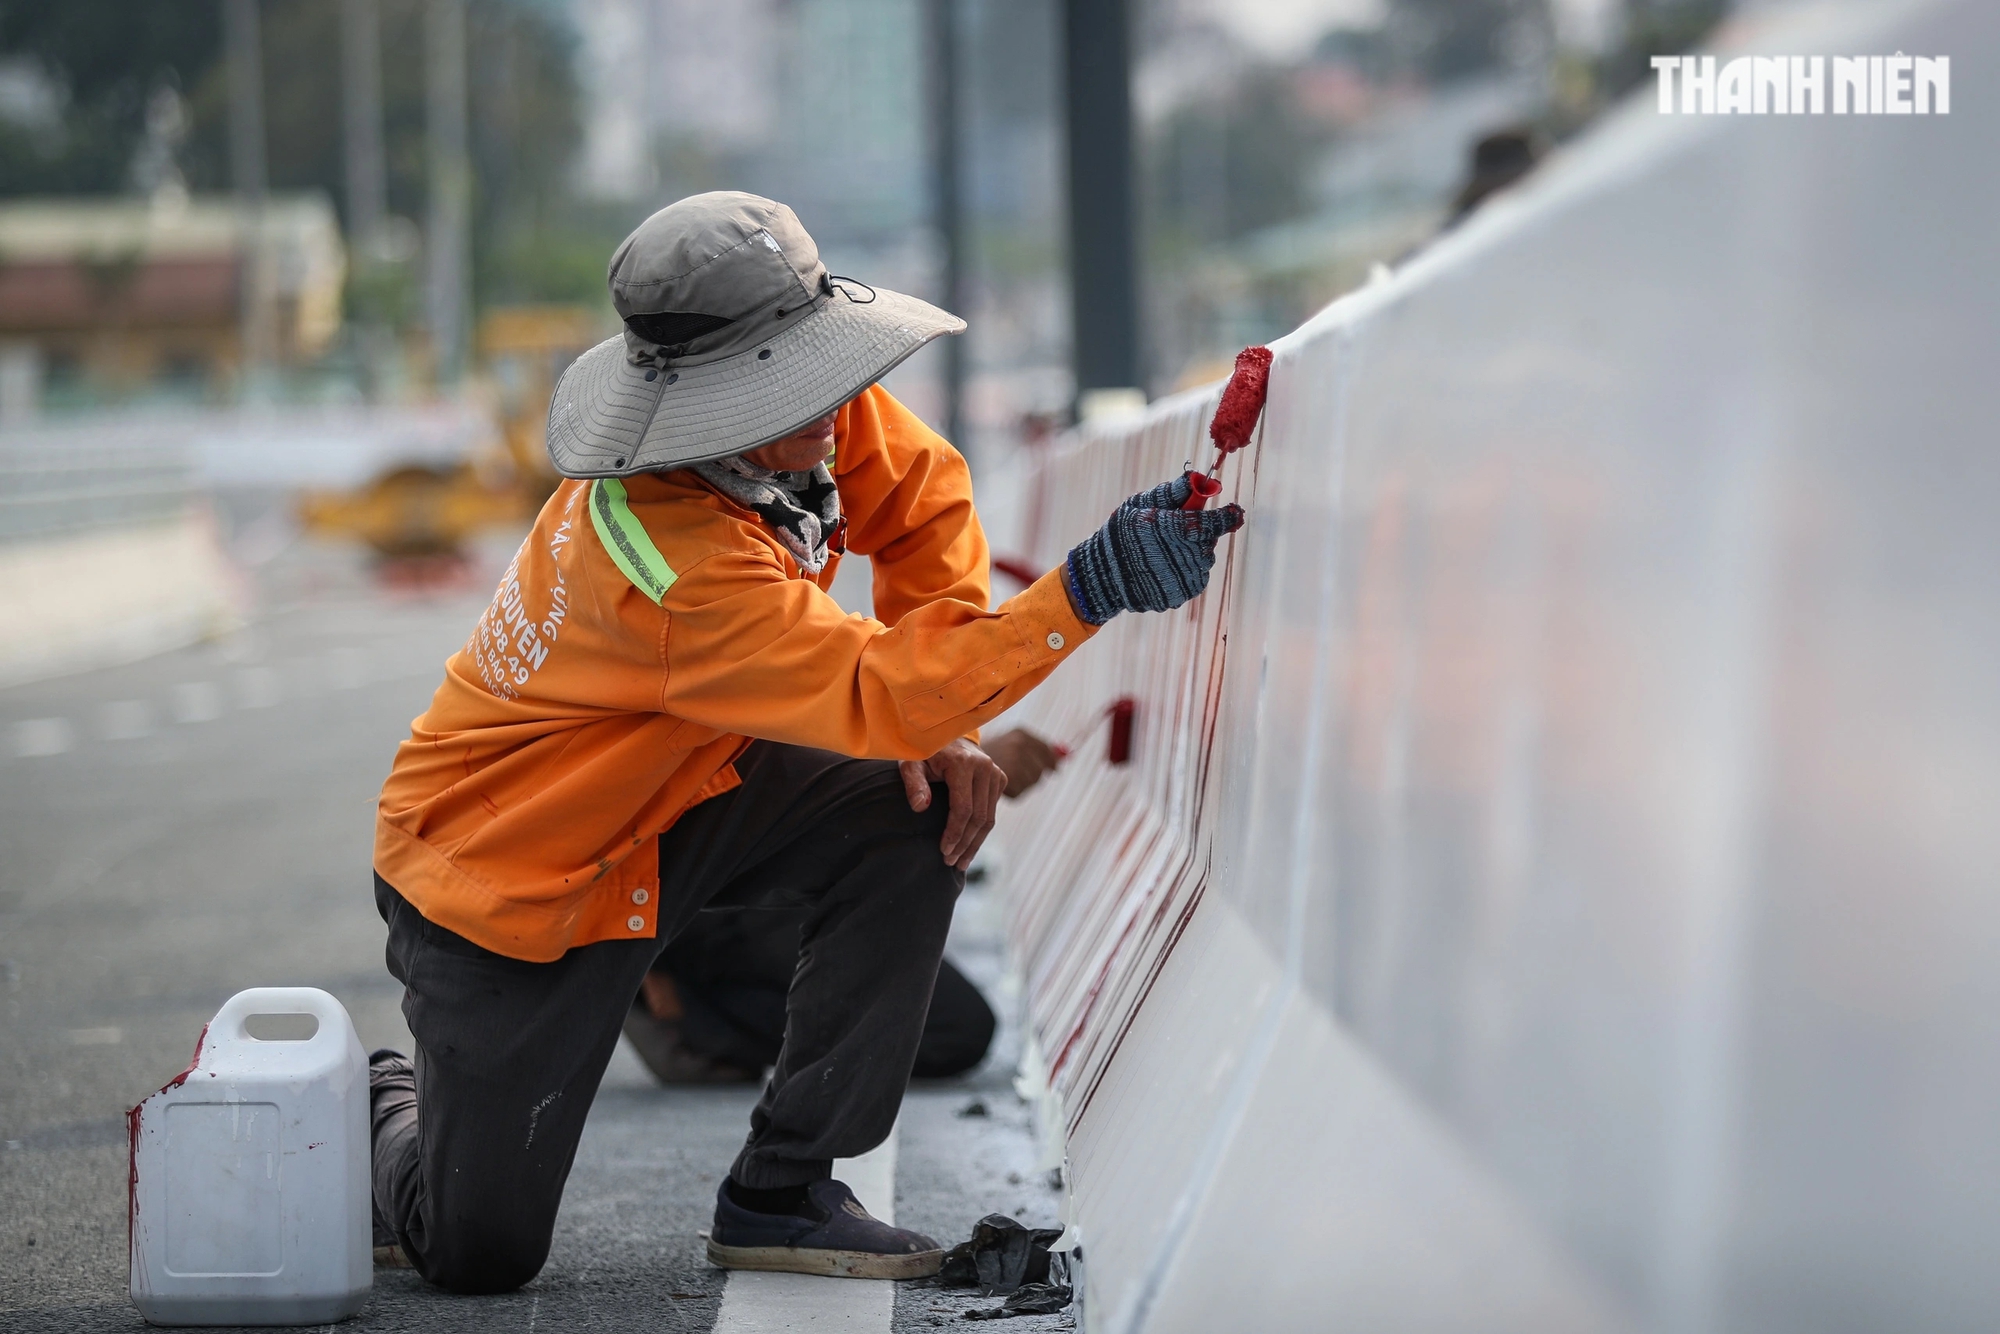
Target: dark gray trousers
733,973
470,1163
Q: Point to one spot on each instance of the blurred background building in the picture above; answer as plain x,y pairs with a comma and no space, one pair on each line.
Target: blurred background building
101,297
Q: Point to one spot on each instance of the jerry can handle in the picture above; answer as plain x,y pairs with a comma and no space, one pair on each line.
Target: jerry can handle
228,1026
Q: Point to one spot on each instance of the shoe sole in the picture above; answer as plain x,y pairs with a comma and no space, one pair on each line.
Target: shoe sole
826,1263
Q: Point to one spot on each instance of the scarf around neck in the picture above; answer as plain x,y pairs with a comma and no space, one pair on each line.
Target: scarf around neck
802,508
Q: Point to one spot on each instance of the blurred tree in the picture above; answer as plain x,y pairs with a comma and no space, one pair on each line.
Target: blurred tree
1366,51
103,59
1453,39
100,62
524,117
1223,167
1655,28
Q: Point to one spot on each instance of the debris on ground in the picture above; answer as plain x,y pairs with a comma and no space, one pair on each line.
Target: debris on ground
977,1107
1028,1299
1001,1256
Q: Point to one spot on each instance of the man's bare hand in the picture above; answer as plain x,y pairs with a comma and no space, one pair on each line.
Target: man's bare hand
1024,757
973,783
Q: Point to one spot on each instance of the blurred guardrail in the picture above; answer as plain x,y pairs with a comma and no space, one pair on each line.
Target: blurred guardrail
51,485
1552,887
107,548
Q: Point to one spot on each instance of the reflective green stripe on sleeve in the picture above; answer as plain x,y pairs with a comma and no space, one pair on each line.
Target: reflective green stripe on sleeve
626,542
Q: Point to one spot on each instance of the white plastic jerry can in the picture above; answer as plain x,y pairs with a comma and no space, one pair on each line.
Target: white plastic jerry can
250,1182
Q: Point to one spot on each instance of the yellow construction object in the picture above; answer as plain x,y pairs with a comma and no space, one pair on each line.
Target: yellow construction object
417,510
423,510
523,351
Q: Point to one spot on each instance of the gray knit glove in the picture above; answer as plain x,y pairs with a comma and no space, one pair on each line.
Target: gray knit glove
1150,555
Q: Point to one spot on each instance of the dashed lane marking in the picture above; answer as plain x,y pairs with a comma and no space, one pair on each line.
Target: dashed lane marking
191,702
43,736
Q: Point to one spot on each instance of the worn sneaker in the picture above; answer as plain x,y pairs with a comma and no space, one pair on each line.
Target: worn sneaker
835,1236
658,1042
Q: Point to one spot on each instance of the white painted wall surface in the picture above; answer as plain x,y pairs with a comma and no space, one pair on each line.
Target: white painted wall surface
1554,889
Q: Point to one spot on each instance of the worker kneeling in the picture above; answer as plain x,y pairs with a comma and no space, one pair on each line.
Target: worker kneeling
662,711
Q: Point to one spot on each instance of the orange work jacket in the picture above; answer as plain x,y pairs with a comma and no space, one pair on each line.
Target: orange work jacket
644,633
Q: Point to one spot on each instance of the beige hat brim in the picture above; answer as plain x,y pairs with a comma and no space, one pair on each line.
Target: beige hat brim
607,420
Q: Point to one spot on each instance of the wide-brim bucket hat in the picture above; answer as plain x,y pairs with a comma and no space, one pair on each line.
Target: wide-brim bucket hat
735,336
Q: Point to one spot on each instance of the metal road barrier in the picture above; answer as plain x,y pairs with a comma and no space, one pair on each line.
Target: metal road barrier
1552,884
64,482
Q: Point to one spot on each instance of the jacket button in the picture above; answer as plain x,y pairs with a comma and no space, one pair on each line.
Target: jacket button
1055,640
636,922
640,895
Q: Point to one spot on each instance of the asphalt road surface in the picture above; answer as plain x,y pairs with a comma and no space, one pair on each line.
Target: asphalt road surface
175,830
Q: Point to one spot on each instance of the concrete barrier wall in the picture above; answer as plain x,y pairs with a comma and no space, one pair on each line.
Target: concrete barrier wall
107,549
94,598
106,552
1553,887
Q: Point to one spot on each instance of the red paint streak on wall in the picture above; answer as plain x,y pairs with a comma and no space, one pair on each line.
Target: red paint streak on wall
1218,655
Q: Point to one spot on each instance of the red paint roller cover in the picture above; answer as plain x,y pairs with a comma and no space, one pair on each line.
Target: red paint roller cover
1242,400
1235,419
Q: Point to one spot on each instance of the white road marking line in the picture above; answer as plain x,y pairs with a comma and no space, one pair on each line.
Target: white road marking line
43,736
193,702
872,1176
757,1303
197,702
96,1037
125,720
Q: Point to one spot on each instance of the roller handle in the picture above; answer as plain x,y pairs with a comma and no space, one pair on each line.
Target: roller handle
1201,489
